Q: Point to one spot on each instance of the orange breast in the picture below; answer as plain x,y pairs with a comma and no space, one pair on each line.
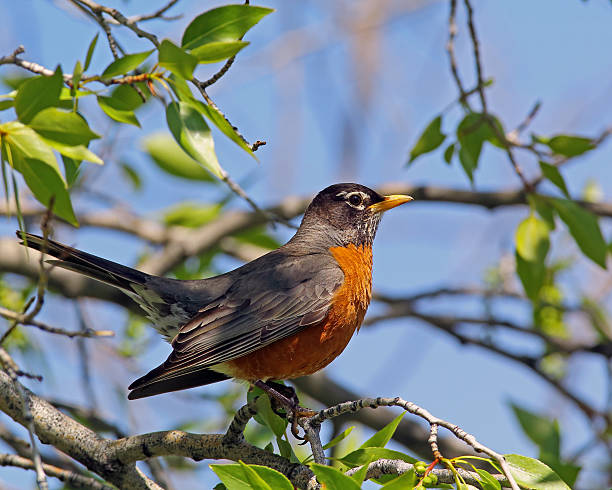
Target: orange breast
316,346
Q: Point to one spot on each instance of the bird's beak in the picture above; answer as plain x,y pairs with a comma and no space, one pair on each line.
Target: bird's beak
389,202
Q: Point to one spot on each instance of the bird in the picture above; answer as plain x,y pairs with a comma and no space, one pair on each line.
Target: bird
286,314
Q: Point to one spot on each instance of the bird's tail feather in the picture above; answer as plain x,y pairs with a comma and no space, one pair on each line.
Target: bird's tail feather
90,265
149,386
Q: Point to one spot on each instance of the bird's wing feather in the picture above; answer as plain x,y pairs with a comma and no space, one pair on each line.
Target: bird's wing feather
259,309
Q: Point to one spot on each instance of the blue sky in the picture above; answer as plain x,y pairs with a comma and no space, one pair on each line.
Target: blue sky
557,54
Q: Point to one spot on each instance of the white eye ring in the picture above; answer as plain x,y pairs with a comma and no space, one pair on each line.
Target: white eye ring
356,199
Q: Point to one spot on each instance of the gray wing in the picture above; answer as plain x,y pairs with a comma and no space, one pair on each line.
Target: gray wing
265,305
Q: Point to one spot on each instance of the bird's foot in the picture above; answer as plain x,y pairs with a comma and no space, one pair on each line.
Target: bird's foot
285,398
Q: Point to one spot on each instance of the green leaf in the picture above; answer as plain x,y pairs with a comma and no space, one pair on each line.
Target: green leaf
532,242
76,78
249,477
182,91
431,138
176,59
472,132
543,208
218,51
124,65
79,152
286,451
228,23
275,479
24,142
487,482
45,183
569,146
584,227
71,168
552,173
90,51
449,153
360,474
38,93
121,105
255,481
226,128
333,478
543,431
382,437
340,437
532,276
193,135
534,474
132,175
68,128
6,104
171,158
191,215
406,481
275,423
367,454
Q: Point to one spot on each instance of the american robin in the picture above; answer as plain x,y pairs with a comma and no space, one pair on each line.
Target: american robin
286,314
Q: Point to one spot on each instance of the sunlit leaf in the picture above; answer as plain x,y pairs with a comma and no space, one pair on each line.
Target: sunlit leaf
38,93
125,65
406,481
340,437
249,477
193,135
570,146
384,435
227,23
64,127
532,242
121,105
90,51
534,474
333,478
176,59
26,143
218,51
79,152
487,482
366,454
170,157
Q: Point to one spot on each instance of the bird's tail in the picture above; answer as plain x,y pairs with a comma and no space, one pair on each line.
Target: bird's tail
91,265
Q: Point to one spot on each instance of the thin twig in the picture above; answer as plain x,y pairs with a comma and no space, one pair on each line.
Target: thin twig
475,43
120,18
73,479
353,406
22,319
381,467
10,367
450,48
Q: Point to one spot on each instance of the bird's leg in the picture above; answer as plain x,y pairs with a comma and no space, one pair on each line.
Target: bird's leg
286,397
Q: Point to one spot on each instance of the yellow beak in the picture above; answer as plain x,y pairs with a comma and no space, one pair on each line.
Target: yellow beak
389,202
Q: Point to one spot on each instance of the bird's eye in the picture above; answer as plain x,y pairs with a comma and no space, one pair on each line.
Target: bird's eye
355,199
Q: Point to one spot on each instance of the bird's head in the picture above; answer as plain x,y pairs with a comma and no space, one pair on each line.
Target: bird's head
348,213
